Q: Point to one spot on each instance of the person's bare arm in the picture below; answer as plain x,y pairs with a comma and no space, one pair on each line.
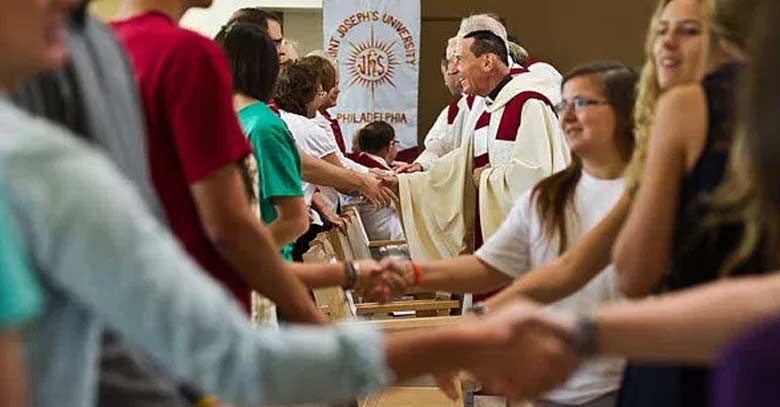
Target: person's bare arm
333,159
565,275
291,222
463,274
12,383
641,253
320,172
246,244
688,326
372,280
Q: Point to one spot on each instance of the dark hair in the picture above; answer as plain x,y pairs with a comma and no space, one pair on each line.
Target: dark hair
375,136
444,62
325,68
250,15
252,58
296,87
485,42
554,194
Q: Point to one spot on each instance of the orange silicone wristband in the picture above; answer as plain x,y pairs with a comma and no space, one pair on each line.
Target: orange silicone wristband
417,273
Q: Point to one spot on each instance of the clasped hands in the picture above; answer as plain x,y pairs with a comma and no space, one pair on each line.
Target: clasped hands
380,281
519,350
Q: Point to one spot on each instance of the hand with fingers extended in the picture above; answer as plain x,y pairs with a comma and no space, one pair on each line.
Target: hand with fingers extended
525,350
333,219
375,191
390,182
404,168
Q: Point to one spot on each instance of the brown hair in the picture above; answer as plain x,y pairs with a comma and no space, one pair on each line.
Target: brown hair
375,136
554,194
296,87
326,69
252,58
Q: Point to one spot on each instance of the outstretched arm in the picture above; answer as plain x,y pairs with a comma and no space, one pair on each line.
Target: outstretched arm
688,326
321,172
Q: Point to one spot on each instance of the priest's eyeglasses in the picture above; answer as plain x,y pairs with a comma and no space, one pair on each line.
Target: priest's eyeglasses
578,103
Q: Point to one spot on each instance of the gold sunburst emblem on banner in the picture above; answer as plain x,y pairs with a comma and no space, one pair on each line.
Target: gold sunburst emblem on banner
372,63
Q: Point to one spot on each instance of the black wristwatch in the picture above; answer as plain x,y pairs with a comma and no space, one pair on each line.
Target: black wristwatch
478,309
585,341
350,269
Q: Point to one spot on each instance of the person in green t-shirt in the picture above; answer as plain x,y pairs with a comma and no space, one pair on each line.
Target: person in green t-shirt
254,62
20,300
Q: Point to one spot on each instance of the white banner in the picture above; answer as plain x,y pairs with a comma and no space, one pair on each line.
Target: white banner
377,46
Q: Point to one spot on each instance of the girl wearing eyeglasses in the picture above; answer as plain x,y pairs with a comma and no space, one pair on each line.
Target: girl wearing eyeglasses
596,117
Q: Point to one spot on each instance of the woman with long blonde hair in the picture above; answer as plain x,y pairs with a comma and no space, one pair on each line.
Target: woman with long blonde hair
663,246
675,48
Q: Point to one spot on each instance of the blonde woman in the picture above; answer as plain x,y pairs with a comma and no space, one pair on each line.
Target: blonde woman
663,245
661,248
674,57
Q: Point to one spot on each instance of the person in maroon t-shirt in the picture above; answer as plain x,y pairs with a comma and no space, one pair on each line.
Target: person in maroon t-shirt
194,143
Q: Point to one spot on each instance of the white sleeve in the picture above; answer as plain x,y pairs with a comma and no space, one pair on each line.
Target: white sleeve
436,141
351,165
508,250
319,142
309,136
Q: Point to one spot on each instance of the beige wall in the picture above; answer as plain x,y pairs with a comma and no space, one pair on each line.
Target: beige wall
305,28
562,32
105,9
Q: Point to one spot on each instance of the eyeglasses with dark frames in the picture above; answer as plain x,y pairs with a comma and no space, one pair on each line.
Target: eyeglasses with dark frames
578,103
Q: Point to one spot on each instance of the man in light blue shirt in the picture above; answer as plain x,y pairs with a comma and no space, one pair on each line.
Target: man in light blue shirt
103,259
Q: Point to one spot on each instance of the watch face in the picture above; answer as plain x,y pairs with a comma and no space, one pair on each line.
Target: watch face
478,309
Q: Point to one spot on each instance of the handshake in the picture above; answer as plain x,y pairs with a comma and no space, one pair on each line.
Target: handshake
382,281
519,350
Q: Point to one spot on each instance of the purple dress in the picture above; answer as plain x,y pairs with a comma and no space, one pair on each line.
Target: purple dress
748,373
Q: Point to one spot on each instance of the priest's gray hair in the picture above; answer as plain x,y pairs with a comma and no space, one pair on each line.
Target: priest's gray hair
452,47
482,22
486,22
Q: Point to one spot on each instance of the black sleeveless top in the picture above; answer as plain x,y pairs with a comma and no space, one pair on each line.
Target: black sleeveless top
697,254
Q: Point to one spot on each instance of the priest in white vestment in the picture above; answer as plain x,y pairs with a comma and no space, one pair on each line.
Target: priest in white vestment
508,146
442,137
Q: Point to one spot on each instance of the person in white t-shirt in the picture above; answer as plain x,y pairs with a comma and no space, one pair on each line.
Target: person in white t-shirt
298,96
330,84
596,117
